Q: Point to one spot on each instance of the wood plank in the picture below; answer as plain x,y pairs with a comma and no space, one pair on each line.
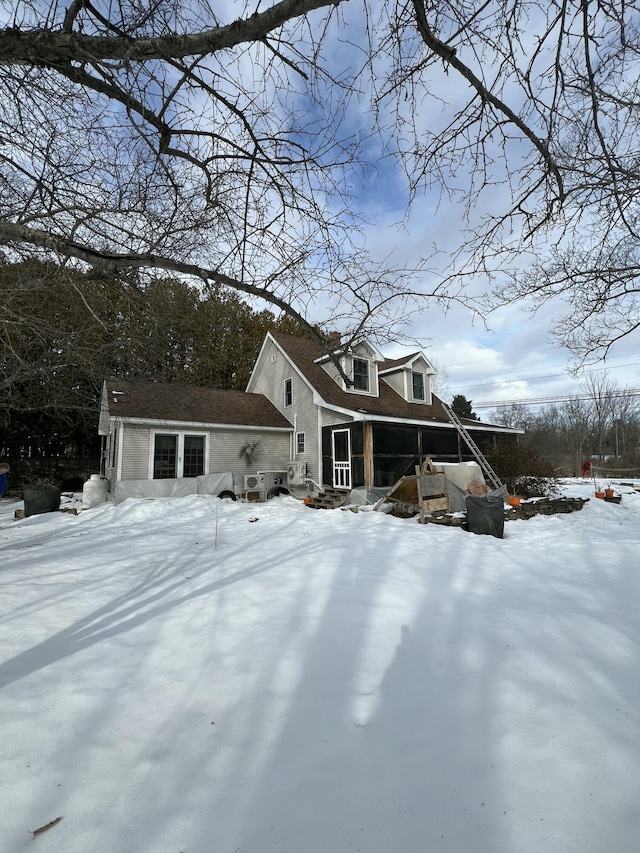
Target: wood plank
435,504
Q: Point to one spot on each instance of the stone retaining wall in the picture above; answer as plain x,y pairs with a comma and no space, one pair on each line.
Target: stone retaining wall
537,506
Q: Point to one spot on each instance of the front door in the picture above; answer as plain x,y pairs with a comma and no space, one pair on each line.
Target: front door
341,446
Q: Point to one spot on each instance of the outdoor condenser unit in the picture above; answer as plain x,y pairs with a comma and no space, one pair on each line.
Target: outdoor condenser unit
273,482
251,481
296,472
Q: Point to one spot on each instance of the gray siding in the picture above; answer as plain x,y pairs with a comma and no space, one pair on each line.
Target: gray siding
269,379
330,418
330,368
347,365
401,381
396,380
135,452
272,453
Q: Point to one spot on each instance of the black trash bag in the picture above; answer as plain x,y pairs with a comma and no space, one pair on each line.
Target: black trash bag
39,498
485,513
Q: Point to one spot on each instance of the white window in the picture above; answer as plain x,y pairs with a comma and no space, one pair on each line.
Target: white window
178,455
288,392
417,385
360,374
299,442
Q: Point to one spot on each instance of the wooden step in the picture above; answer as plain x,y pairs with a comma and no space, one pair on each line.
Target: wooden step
329,499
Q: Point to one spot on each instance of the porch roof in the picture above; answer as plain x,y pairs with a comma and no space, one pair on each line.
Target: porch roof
153,401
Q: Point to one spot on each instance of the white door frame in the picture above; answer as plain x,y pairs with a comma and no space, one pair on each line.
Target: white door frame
341,468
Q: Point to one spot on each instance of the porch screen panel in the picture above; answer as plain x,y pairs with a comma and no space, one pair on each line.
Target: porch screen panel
357,454
395,440
357,438
165,456
193,465
484,440
440,444
395,452
357,471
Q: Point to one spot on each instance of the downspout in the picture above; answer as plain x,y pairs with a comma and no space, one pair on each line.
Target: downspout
292,448
319,459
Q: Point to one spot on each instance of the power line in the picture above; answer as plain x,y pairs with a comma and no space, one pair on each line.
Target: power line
462,385
529,352
625,394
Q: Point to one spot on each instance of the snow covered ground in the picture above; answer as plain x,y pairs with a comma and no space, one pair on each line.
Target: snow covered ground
319,681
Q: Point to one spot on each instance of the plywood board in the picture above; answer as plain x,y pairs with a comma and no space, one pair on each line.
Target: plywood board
432,484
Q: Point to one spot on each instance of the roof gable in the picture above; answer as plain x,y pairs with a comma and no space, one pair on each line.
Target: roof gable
409,362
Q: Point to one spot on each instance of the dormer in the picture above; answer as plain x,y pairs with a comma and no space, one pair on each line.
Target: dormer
360,364
410,377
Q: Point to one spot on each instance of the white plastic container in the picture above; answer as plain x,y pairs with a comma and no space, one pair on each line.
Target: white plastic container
94,491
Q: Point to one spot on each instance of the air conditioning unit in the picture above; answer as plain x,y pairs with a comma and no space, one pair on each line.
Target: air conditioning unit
251,481
296,472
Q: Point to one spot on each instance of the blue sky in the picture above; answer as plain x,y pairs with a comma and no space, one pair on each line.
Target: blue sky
509,355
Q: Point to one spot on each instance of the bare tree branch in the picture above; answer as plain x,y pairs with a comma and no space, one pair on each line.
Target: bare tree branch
55,48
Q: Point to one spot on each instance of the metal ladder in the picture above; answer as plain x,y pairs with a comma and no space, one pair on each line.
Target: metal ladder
487,470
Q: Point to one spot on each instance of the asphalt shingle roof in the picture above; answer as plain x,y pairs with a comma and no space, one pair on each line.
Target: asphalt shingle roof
389,404
169,401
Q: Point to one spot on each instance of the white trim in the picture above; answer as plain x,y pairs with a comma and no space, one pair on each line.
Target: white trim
199,425
119,425
341,473
286,405
319,460
367,362
408,365
180,434
304,443
294,367
422,400
387,419
372,372
349,349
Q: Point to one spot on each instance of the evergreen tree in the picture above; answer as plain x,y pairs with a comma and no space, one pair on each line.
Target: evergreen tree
63,332
462,407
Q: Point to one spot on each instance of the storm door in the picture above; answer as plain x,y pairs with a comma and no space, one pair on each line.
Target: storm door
341,446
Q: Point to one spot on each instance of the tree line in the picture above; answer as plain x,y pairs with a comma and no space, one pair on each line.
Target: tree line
599,425
63,332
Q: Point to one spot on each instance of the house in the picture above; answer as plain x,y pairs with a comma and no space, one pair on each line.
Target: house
371,430
352,421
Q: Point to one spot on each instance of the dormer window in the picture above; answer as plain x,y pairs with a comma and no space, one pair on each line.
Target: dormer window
360,374
417,385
